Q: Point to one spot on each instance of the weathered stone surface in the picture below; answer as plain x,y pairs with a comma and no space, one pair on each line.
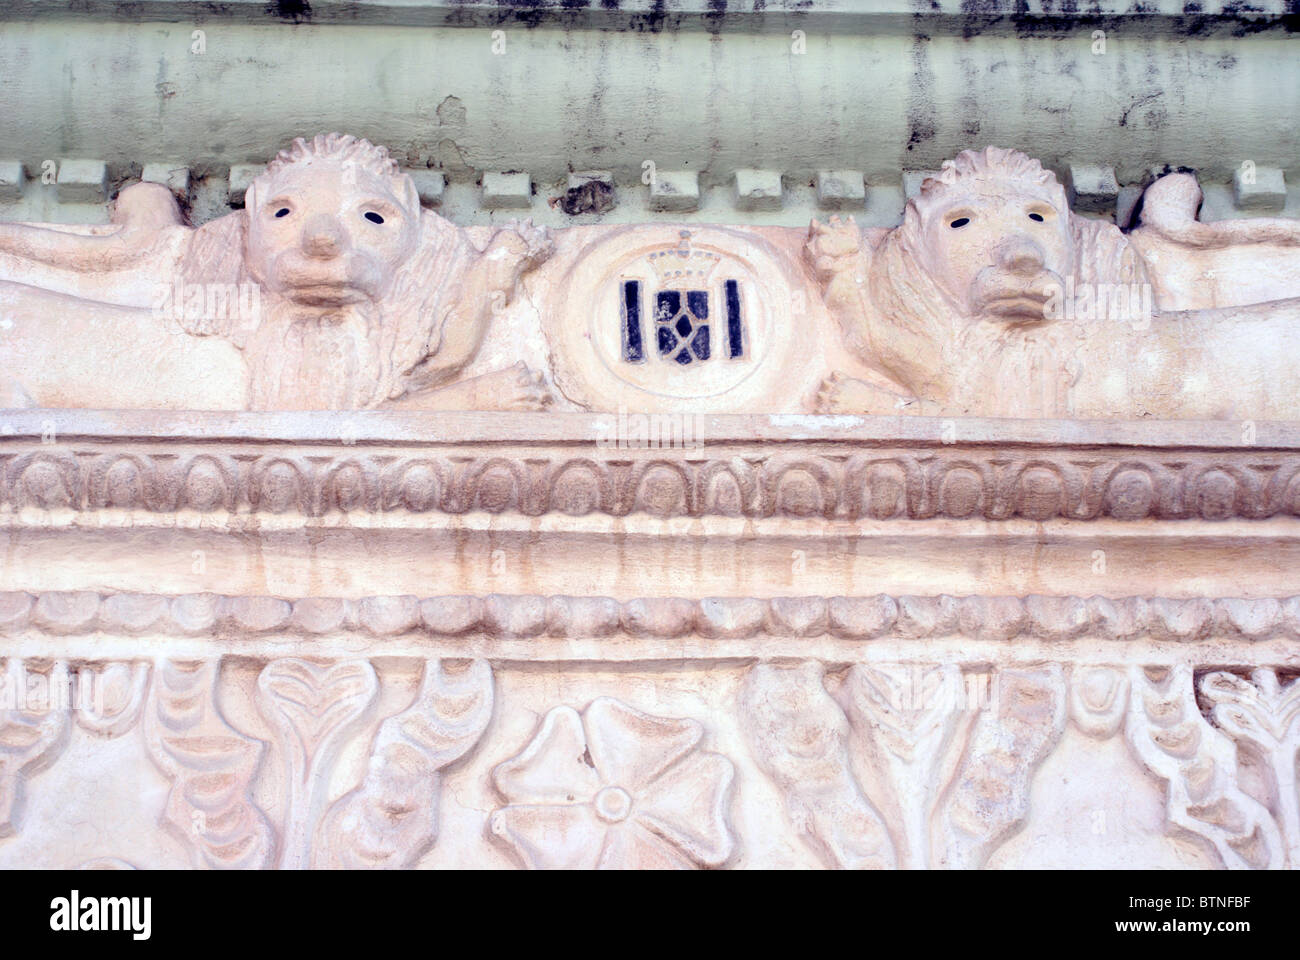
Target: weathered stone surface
758,189
12,178
174,176
241,177
507,191
590,192
82,181
1092,188
429,184
840,189
1259,188
838,546
677,190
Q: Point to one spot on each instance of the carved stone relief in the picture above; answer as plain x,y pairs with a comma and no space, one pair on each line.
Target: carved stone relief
332,289
814,558
682,320
944,758
994,299
614,788
877,765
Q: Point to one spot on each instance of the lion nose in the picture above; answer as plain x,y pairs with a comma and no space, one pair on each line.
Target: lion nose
1020,255
322,237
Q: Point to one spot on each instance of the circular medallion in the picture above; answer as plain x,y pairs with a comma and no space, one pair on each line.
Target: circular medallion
678,318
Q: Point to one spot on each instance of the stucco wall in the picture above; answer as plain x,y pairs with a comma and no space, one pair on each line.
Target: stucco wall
879,88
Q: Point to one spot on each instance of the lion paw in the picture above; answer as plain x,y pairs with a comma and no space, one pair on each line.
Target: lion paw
521,388
848,395
833,248
831,242
828,399
532,244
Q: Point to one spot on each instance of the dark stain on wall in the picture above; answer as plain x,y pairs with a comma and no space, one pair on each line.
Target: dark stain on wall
295,11
920,102
974,18
1141,101
652,22
594,196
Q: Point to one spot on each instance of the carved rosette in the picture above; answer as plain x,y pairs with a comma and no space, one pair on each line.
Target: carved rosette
612,787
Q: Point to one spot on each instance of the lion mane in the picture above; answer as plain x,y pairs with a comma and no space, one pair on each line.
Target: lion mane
392,345
915,331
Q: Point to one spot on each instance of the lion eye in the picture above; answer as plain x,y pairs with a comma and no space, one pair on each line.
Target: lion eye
374,217
959,222
282,212
1036,216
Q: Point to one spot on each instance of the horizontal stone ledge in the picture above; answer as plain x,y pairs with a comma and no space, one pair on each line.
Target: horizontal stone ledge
365,428
654,16
529,617
681,656
829,467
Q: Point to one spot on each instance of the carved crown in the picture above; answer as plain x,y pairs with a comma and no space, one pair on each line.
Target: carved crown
682,266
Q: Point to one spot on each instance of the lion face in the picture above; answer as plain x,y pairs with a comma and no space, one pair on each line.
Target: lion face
998,249
326,234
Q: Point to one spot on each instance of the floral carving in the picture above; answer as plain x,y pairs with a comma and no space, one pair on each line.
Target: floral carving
1263,716
989,796
916,766
612,787
211,766
315,708
391,819
800,738
30,739
1166,730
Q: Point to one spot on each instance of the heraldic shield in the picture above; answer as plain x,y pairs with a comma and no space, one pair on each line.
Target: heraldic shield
681,325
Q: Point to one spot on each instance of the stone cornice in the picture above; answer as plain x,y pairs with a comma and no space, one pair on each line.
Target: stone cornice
838,468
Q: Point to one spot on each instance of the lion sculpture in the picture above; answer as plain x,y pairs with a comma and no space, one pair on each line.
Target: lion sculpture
332,289
993,299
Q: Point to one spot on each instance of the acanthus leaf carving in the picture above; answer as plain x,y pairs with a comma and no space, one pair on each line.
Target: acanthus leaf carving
1263,715
799,737
116,698
1167,732
908,730
989,798
1099,699
31,734
315,708
211,766
908,764
391,819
